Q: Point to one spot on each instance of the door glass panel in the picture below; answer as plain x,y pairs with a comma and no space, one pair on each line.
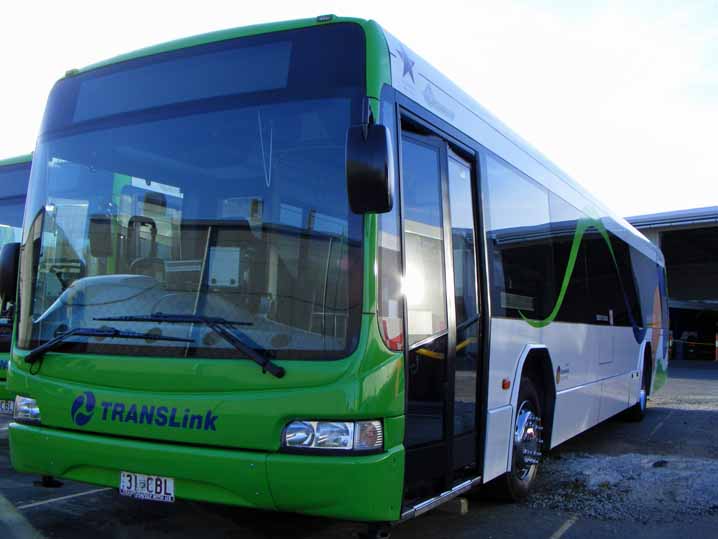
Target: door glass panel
427,387
425,291
463,246
424,277
462,236
467,355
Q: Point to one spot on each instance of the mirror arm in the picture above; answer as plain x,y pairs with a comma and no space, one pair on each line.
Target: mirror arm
368,117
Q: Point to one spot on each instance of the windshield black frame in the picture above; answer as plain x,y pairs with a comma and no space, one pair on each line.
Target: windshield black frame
346,81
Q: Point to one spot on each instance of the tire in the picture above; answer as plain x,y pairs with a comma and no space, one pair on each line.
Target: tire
376,530
515,484
637,412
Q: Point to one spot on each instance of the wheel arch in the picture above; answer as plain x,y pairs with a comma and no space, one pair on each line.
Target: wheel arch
536,363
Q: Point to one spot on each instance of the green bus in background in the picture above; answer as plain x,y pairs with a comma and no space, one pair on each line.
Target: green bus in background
14,174
292,267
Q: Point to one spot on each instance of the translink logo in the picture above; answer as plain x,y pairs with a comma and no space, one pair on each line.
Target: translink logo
83,409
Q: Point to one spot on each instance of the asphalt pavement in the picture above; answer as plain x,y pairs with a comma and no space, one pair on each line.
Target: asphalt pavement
680,426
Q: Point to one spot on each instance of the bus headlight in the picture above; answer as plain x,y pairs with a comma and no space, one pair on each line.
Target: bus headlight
334,435
317,436
299,434
26,410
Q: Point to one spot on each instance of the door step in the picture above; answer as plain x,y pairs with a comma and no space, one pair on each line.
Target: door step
441,499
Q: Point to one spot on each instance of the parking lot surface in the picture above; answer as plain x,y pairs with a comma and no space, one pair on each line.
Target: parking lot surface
657,479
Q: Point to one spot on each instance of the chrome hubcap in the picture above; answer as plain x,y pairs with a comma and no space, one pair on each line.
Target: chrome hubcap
527,440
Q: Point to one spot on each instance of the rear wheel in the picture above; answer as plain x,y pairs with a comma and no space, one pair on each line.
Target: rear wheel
638,411
527,446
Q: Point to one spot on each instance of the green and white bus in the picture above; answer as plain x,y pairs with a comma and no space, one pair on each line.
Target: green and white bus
14,174
292,267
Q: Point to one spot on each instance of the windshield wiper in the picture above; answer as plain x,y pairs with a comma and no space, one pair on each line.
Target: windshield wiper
220,326
37,353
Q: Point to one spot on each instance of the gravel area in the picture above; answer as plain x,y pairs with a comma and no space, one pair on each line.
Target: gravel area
639,487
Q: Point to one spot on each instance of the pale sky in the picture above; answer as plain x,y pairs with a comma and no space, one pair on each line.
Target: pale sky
621,95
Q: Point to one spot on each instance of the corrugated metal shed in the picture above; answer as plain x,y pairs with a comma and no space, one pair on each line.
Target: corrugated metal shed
674,219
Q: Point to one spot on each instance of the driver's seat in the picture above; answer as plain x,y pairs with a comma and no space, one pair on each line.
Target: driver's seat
151,265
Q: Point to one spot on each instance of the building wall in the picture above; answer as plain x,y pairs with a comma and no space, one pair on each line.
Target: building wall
692,264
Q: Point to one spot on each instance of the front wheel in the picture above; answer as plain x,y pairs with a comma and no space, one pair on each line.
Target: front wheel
527,447
376,530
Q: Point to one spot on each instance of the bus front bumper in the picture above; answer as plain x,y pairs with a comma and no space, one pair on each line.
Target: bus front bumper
365,488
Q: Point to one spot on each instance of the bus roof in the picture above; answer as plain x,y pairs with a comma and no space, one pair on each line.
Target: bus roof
27,158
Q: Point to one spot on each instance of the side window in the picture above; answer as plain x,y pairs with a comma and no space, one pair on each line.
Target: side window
390,312
644,268
13,186
607,301
570,262
663,287
517,221
424,282
628,283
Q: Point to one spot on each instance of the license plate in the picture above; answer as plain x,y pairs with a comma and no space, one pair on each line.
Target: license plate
6,407
147,487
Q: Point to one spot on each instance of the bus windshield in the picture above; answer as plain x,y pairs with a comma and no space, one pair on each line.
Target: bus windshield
204,182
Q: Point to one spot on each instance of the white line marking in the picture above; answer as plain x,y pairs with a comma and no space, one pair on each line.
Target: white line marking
660,424
61,498
3,428
564,528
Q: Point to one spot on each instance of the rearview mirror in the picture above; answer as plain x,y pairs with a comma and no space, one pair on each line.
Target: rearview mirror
100,236
9,256
370,169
